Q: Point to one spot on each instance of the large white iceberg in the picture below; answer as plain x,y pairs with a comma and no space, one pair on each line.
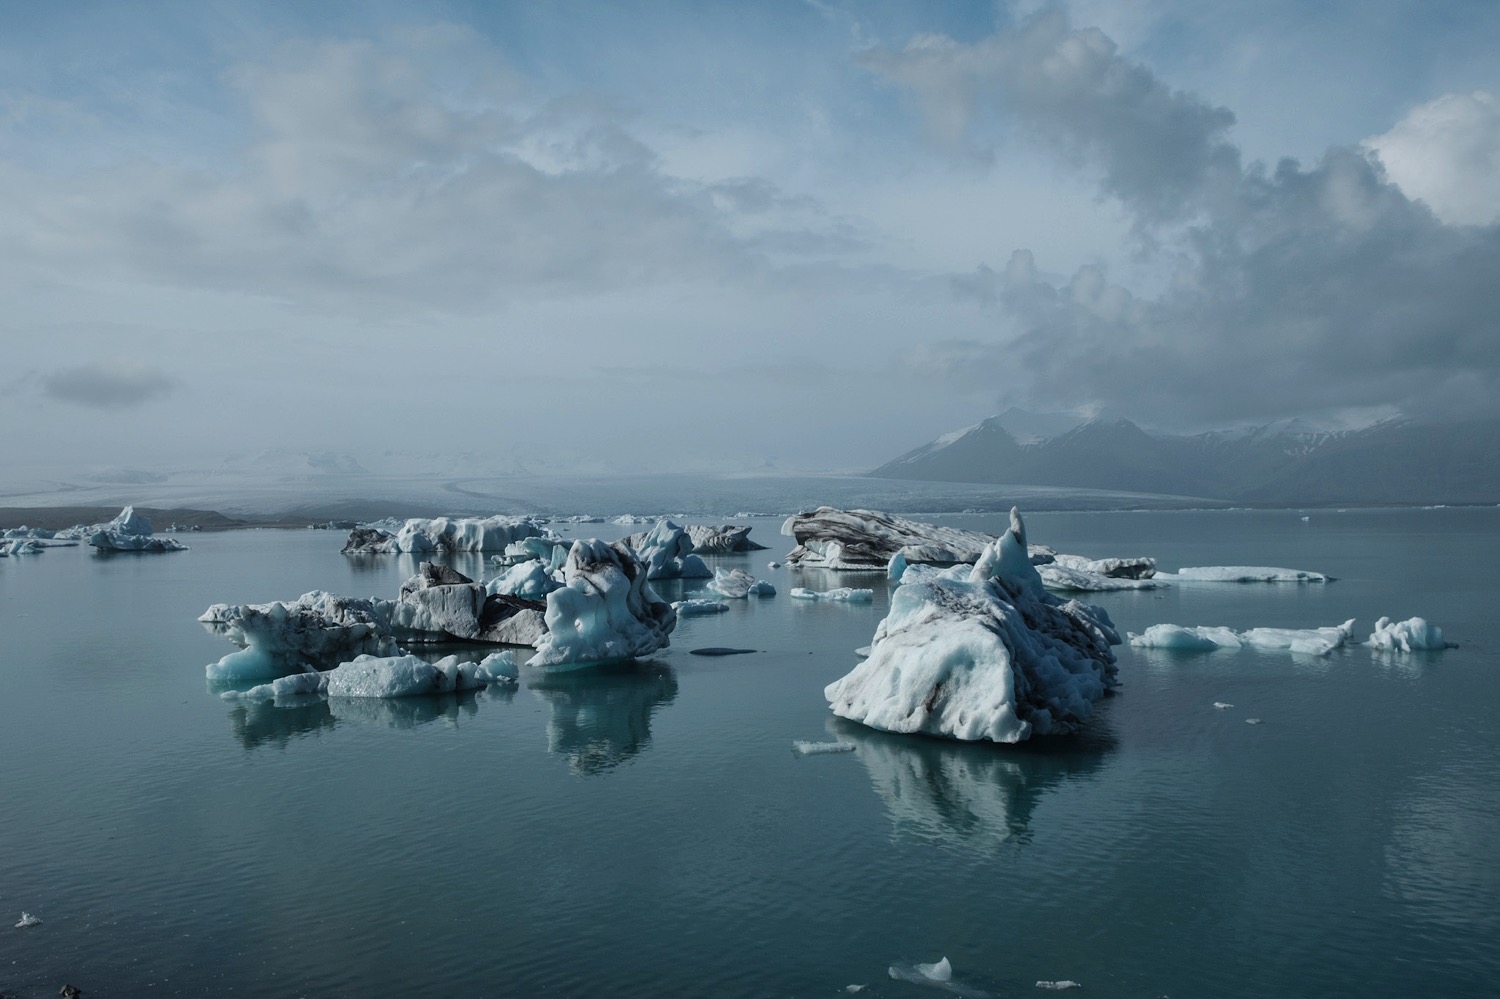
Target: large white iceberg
606,610
667,551
1249,574
316,630
420,536
1411,635
1309,641
981,653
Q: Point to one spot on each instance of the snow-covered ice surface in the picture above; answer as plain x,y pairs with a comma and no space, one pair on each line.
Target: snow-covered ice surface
1249,574
1309,641
981,654
605,612
840,594
1412,635
866,541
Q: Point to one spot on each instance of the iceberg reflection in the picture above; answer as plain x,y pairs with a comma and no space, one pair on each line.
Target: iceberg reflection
601,717
258,723
976,795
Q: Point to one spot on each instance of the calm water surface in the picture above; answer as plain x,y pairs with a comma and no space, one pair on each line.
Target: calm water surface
648,831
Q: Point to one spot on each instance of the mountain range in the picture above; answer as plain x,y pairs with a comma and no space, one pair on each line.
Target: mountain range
1395,461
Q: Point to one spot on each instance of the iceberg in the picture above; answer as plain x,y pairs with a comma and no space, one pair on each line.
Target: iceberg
866,541
721,539
532,579
1310,641
1069,579
118,541
982,654
1413,634
441,604
667,551
605,611
316,629
21,546
842,594
419,536
806,748
1115,568
1250,574
737,584
699,608
387,677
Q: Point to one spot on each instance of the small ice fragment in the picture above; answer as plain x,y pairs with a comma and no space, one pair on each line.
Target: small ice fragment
942,971
809,748
27,919
864,651
1252,721
1221,705
777,565
854,988
1063,983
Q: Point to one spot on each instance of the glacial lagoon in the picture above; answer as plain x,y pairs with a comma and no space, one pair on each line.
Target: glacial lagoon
650,830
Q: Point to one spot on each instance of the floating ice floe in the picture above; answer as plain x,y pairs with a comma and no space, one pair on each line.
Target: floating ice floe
667,552
981,654
699,608
1222,706
28,920
1249,574
389,677
806,748
441,604
1310,641
1061,985
443,534
737,584
606,611
1114,568
317,629
1067,579
1413,634
117,541
842,594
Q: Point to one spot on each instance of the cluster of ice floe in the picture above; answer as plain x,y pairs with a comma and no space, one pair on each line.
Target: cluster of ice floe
981,653
1405,636
127,532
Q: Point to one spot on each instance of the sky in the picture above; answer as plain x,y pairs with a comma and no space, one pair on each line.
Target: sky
780,236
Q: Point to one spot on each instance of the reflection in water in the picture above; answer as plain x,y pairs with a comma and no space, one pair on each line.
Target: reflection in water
1440,856
602,717
406,712
264,722
978,795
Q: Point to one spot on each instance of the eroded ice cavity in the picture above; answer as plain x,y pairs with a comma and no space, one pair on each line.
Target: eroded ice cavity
443,534
667,551
1249,574
317,630
1412,635
390,676
441,604
1308,641
982,653
737,584
605,611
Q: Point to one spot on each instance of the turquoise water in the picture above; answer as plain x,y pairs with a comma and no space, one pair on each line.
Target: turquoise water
648,831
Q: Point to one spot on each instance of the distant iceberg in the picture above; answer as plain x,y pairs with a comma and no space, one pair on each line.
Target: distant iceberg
605,612
1412,635
443,534
1309,641
866,541
981,654
841,594
1249,574
116,541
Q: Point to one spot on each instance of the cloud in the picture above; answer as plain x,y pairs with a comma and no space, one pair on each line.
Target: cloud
1291,288
1447,153
111,385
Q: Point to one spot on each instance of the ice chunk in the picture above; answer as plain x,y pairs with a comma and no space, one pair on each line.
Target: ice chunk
815,748
1406,636
1172,636
463,534
531,579
440,604
842,594
667,551
1252,721
127,521
1220,705
1309,641
116,541
27,920
721,539
1068,579
318,629
410,676
21,546
941,971
698,608
982,653
896,566
1061,985
737,584
867,540
1250,574
1115,568
606,610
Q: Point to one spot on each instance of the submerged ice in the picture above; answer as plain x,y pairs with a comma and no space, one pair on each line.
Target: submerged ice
981,654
